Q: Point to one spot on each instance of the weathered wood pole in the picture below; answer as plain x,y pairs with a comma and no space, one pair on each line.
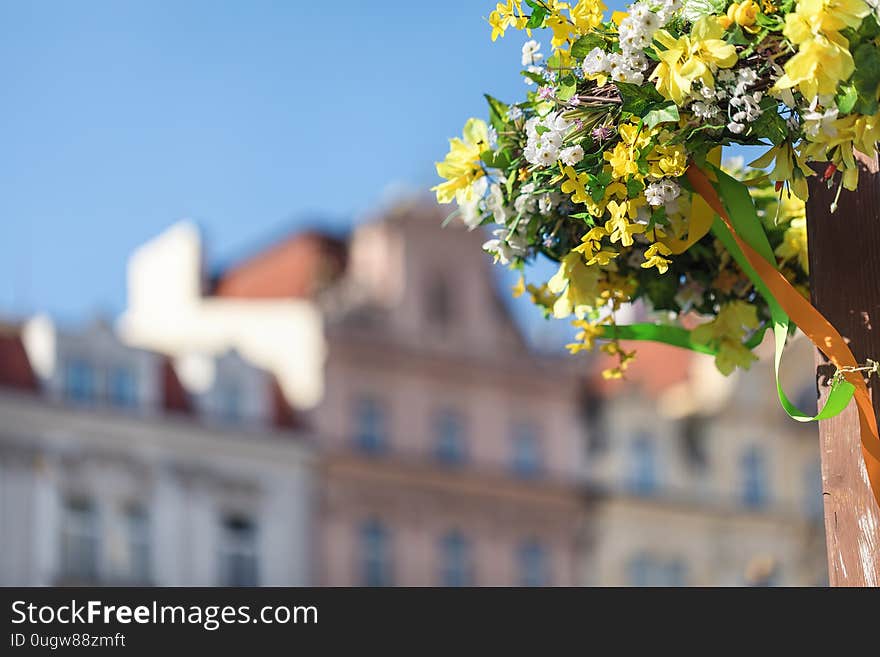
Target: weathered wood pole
844,250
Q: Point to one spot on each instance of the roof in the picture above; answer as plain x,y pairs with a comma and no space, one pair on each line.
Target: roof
15,368
296,267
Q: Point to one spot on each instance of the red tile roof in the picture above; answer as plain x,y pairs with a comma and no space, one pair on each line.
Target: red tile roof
15,368
297,267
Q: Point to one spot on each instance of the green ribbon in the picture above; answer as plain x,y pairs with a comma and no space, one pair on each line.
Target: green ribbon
743,216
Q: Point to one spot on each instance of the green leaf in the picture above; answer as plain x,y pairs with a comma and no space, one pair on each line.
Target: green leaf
866,78
663,114
737,37
495,159
695,9
582,47
536,20
567,87
534,77
634,187
770,125
637,99
846,99
497,112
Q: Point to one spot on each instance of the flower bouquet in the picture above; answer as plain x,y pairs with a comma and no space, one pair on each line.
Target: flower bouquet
611,166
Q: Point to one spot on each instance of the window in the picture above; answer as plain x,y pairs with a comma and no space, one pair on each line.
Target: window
754,478
371,426
375,554
643,476
439,300
122,387
229,408
238,552
533,564
595,424
813,496
79,540
79,381
693,441
137,524
455,560
449,438
527,460
646,570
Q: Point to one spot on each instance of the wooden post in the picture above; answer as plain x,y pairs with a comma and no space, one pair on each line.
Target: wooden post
844,252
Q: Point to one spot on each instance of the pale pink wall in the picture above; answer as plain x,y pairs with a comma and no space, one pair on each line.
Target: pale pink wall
478,366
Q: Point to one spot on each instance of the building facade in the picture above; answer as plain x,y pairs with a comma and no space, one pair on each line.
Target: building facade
112,471
705,479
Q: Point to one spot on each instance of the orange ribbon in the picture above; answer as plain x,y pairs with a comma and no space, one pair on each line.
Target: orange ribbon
818,329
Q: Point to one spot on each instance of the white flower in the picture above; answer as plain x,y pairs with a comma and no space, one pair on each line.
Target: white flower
471,215
816,122
530,54
654,194
506,247
736,128
495,203
595,62
531,126
514,113
557,123
571,155
704,110
545,204
547,155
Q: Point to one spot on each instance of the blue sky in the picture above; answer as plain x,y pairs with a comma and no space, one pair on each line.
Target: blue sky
251,118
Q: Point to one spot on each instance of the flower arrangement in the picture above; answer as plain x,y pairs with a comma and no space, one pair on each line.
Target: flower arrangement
595,167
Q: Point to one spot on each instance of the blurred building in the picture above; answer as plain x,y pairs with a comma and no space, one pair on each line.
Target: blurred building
449,452
705,479
121,466
365,411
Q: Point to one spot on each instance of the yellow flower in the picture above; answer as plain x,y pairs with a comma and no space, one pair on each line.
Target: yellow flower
576,284
694,56
575,185
634,135
790,168
622,161
654,257
794,244
561,28
587,15
769,7
602,258
507,15
520,287
823,58
820,63
462,164
743,14
541,295
618,227
849,133
668,161
824,16
591,242
586,338
726,333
